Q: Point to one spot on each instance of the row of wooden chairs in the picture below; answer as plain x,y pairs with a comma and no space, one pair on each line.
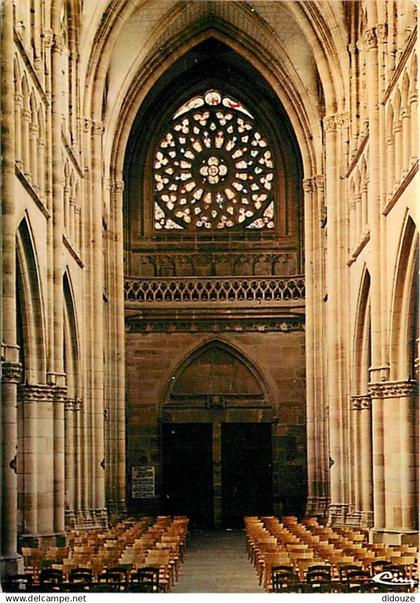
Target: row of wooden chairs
129,550
313,553
81,580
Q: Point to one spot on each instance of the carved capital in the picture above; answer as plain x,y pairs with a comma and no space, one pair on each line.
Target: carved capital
382,32
342,120
97,128
393,389
316,183
117,186
36,393
371,38
319,181
47,36
60,395
58,43
308,185
72,404
11,372
361,402
87,125
330,123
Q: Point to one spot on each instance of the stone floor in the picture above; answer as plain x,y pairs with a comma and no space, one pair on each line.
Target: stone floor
216,562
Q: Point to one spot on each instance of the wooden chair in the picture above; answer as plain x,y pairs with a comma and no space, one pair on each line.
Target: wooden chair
82,575
268,561
318,574
50,579
145,579
359,577
282,577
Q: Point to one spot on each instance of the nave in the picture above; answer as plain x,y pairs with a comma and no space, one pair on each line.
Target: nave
159,555
217,562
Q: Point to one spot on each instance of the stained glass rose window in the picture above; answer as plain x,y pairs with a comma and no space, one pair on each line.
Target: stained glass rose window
213,169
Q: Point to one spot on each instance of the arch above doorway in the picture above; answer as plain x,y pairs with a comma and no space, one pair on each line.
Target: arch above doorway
217,438
217,377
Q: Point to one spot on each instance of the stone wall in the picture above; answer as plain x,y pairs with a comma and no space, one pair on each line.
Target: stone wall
153,361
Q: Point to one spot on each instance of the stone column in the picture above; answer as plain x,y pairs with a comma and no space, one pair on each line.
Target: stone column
364,207
98,323
399,457
10,561
400,468
406,139
18,128
34,132
41,167
78,462
357,460
120,342
66,205
413,125
57,376
398,150
69,410
334,342
29,397
311,435
315,420
408,403
26,121
378,371
365,421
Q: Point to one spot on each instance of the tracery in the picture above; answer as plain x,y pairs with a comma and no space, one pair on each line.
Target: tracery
213,168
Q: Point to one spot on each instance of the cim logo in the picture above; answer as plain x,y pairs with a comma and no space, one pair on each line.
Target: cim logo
389,578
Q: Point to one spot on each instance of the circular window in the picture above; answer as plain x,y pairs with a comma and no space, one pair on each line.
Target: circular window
213,169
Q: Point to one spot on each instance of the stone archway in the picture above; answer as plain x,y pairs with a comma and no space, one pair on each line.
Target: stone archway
217,453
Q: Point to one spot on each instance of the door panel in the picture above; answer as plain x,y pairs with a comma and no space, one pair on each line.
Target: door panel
188,471
246,471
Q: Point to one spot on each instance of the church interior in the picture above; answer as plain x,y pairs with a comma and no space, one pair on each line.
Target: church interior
255,374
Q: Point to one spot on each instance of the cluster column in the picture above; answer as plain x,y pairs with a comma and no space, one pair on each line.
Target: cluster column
398,402
10,561
317,455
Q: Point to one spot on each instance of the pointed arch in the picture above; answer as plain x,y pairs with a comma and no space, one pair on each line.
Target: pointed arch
405,91
361,345
33,106
363,173
397,107
25,93
226,350
17,76
30,306
413,75
404,307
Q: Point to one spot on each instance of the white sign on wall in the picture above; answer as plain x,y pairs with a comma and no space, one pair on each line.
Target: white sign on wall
143,482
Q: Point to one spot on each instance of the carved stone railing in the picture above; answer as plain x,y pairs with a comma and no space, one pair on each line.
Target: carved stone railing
215,289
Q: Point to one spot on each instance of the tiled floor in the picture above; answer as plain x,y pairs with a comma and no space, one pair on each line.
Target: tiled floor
216,562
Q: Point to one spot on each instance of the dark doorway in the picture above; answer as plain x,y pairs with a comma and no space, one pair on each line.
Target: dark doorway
246,471
188,471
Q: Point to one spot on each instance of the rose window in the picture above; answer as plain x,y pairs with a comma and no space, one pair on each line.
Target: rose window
213,169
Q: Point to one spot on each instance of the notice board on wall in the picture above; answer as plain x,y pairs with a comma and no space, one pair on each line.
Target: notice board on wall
143,481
